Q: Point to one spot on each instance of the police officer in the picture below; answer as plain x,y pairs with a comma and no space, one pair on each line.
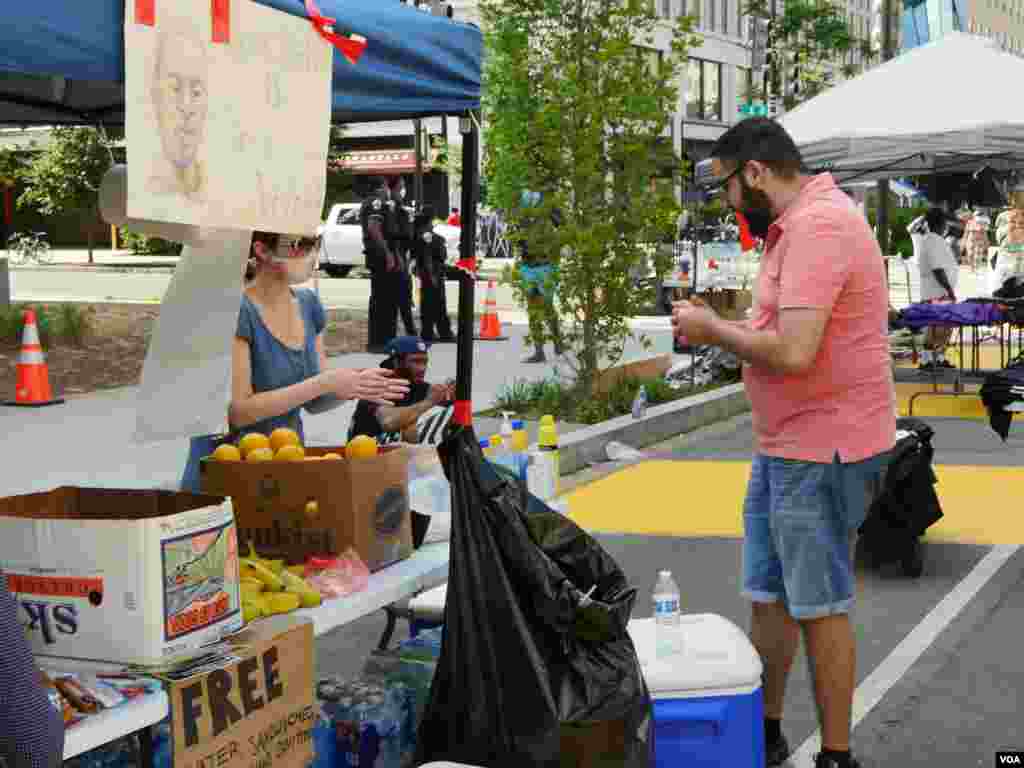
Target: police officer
398,229
429,253
382,263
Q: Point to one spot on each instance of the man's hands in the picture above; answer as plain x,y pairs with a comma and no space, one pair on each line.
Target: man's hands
694,320
375,385
442,393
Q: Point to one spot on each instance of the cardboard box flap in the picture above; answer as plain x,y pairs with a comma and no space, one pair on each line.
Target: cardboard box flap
104,504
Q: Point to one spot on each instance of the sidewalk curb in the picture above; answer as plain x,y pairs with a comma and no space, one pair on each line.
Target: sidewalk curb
583,447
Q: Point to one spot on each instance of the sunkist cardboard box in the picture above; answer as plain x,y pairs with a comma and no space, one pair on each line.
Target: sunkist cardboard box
133,576
258,710
358,503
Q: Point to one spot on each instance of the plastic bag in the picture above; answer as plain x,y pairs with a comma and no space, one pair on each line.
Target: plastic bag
528,667
430,493
337,576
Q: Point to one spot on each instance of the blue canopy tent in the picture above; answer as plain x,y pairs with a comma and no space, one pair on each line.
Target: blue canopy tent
62,63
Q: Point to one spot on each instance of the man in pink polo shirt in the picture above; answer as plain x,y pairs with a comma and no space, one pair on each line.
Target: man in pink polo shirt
819,378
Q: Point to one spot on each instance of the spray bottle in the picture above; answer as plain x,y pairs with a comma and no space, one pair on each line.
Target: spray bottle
543,476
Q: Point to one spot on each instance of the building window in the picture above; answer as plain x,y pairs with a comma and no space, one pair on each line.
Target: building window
666,9
704,90
725,17
712,23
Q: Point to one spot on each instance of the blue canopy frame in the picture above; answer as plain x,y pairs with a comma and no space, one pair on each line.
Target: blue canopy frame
62,61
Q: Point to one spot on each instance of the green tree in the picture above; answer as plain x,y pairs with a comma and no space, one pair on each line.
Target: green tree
65,176
811,40
576,102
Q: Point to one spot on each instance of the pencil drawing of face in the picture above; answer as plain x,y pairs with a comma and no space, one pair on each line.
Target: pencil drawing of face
181,99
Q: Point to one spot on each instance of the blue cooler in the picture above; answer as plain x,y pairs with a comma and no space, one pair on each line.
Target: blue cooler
708,705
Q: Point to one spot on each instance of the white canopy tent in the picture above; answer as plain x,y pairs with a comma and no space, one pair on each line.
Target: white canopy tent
926,111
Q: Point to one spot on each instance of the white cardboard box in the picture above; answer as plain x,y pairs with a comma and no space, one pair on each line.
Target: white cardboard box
132,576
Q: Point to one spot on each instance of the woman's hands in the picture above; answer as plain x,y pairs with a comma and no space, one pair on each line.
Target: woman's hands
375,385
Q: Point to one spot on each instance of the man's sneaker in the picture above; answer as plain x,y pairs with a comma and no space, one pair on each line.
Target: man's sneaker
777,751
824,761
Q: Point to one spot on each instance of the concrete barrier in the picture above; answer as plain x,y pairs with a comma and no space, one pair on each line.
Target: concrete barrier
586,446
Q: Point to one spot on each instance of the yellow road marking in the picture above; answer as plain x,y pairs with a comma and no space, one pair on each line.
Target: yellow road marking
697,499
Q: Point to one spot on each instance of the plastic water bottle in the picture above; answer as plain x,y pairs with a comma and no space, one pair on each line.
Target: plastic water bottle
640,403
667,623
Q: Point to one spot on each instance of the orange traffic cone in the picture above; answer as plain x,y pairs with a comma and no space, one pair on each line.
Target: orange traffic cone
490,326
33,385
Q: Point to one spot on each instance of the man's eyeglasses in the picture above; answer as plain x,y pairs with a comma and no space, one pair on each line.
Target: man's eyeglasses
719,186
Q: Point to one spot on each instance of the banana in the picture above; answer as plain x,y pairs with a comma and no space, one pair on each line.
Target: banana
253,607
259,571
293,584
283,602
298,570
253,583
251,590
275,566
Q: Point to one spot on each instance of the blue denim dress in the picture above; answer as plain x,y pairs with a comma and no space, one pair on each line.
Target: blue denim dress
274,366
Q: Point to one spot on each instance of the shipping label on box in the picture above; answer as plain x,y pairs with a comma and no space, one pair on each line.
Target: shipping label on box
122,576
257,712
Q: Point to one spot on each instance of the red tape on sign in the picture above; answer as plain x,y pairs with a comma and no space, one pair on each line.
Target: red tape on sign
220,15
351,46
145,12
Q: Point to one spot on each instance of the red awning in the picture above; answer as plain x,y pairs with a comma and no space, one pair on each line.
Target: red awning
383,161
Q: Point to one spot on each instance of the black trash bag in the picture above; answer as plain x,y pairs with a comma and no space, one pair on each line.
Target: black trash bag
908,504
525,655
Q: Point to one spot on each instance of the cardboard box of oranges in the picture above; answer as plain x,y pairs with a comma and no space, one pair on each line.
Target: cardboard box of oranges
293,501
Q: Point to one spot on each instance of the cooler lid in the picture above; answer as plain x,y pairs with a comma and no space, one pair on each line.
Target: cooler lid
717,655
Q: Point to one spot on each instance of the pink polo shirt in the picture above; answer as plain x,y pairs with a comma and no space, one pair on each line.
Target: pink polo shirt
822,254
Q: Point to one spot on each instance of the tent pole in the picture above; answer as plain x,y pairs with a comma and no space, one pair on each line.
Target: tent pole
418,146
882,215
468,126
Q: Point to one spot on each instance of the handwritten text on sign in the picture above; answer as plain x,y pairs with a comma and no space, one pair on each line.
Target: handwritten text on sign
256,713
227,134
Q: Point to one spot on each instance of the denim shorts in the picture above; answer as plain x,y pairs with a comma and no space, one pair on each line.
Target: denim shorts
799,519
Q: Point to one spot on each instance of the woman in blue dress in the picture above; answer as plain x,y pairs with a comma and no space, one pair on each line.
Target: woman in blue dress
278,362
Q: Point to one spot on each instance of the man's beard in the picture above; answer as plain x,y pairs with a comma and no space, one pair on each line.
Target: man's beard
756,209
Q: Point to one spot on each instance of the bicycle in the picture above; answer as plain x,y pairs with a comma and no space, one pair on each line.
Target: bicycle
28,248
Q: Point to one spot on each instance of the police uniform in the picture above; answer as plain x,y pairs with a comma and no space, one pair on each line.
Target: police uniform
383,310
429,253
398,231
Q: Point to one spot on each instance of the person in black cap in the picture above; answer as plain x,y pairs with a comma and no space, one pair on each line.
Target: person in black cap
382,263
429,253
402,422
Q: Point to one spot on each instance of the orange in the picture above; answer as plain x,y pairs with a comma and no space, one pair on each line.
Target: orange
251,442
227,452
283,436
290,453
361,447
260,454
331,457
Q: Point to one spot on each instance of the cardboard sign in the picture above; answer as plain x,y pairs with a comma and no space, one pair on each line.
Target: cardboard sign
257,712
186,379
228,115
